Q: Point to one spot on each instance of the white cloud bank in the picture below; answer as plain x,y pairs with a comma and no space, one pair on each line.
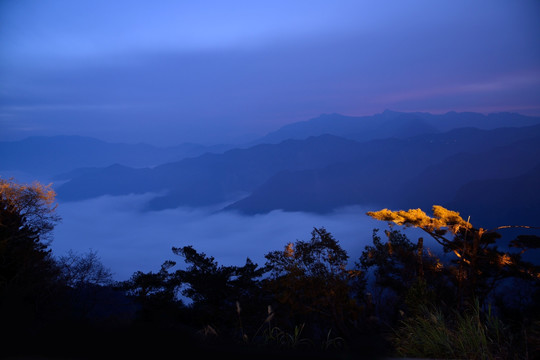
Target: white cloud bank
128,239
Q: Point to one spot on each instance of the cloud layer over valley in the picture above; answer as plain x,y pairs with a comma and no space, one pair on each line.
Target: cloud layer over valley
128,239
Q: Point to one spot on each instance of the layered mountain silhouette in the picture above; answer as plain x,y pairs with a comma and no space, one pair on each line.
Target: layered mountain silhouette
391,124
416,172
397,160
211,178
56,155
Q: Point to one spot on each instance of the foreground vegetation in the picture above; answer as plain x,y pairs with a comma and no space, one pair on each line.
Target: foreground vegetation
465,299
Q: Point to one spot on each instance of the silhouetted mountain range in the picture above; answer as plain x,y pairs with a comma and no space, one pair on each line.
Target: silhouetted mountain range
211,178
391,124
410,173
394,160
47,156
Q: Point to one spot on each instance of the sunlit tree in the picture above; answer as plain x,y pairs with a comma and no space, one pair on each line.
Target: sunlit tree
27,270
27,211
480,265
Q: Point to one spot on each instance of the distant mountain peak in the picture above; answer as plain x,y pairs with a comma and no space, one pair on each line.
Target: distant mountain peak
387,112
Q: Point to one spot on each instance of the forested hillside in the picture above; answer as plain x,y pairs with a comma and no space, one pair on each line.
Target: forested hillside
309,299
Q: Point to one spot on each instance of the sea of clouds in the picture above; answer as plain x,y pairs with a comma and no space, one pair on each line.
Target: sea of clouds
129,239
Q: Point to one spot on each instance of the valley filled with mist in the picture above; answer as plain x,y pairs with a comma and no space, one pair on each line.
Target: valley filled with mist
132,202
270,179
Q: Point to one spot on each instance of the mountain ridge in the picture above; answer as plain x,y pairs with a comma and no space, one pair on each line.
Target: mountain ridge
422,180
315,174
329,170
52,155
232,171
394,124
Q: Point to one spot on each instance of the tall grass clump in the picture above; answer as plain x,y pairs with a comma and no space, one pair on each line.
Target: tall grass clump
270,335
472,334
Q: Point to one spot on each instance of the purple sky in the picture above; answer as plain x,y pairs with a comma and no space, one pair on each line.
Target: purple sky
167,72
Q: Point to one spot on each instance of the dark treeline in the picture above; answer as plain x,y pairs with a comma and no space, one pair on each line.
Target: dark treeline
399,298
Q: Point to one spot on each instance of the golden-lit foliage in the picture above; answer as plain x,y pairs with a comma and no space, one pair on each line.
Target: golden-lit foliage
21,196
505,259
26,206
479,265
442,219
28,273
289,250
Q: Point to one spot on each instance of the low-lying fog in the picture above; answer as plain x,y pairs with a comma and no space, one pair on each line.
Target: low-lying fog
128,239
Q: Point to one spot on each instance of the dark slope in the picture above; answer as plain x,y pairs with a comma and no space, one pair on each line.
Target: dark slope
401,173
212,178
439,183
496,202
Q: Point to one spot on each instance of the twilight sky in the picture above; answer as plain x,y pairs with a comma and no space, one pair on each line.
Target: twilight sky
166,72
